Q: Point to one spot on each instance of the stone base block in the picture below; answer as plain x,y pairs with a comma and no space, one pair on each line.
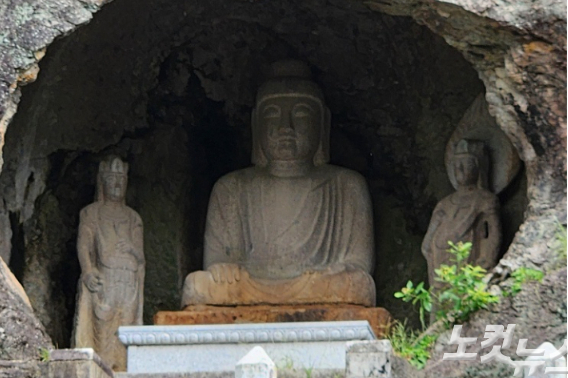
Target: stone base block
378,317
77,363
217,348
370,358
291,373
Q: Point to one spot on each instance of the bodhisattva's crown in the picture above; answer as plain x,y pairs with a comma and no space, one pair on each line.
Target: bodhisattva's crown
113,164
476,150
110,165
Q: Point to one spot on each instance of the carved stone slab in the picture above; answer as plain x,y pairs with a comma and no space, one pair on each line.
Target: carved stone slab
246,333
172,349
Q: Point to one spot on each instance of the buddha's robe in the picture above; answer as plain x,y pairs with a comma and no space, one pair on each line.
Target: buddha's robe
120,299
289,235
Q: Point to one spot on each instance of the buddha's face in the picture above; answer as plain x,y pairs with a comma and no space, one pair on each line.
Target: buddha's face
289,128
114,186
466,170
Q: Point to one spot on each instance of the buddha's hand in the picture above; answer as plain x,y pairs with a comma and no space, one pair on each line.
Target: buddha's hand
225,272
93,281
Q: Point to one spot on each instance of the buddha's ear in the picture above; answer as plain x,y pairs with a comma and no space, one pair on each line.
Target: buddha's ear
257,157
322,155
99,195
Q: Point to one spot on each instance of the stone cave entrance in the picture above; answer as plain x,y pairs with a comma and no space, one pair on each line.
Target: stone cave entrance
169,86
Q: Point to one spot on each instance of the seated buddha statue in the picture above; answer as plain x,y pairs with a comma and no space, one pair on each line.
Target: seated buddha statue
292,229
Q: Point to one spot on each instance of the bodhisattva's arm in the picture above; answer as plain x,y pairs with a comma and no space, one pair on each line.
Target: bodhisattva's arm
86,252
435,221
490,240
223,232
437,216
138,240
138,244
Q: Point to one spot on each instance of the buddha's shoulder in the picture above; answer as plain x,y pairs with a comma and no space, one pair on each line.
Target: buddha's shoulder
90,210
343,175
252,175
133,214
236,178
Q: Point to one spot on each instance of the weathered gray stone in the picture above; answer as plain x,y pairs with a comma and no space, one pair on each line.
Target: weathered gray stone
77,363
368,359
21,334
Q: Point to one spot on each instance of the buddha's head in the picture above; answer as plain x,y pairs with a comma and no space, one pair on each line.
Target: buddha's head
290,121
112,179
470,163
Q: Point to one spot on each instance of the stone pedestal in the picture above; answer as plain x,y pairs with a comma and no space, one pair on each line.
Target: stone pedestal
378,317
309,346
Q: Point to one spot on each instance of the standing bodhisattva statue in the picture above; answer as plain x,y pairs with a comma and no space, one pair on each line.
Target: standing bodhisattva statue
470,214
111,255
480,161
292,229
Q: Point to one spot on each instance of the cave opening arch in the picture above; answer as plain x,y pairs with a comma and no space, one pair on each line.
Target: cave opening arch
172,93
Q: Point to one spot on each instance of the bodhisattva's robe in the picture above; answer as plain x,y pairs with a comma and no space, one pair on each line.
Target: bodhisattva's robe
464,216
120,300
282,229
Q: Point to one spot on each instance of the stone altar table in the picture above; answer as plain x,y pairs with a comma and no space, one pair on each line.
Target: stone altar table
217,348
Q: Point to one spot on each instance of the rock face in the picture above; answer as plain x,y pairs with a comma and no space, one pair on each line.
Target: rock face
539,312
398,90
22,336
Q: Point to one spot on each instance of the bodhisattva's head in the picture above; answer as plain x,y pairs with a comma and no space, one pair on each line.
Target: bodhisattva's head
470,164
290,122
112,180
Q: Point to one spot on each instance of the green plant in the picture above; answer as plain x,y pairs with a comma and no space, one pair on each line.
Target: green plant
44,354
309,372
411,346
520,276
416,295
463,291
